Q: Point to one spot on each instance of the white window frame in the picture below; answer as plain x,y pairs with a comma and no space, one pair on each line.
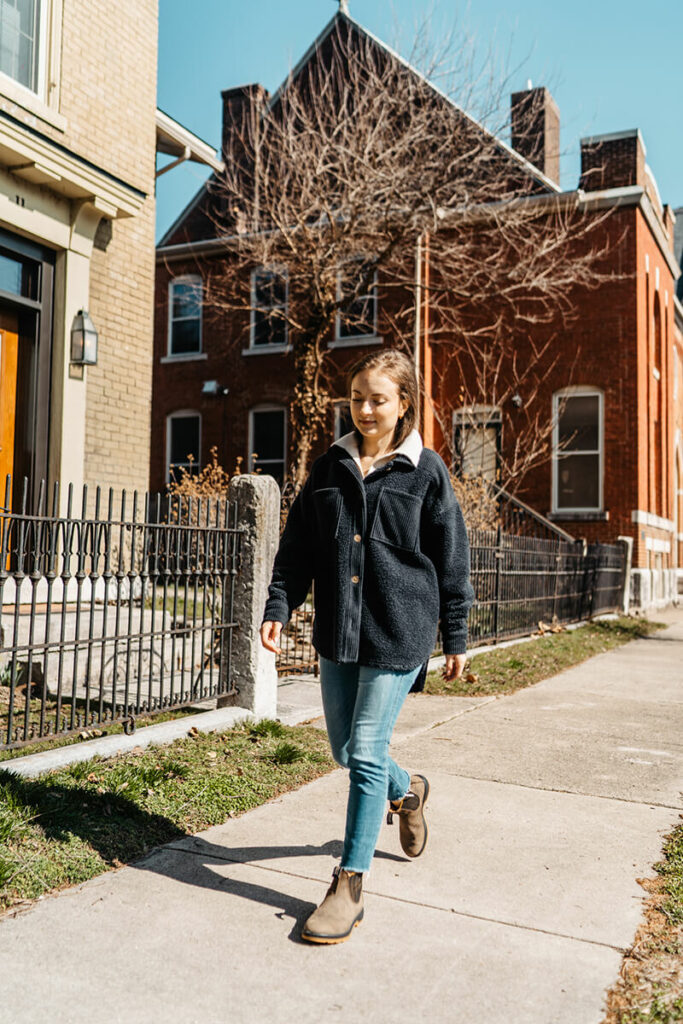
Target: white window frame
180,414
337,417
193,279
559,397
267,407
343,341
280,347
44,101
473,416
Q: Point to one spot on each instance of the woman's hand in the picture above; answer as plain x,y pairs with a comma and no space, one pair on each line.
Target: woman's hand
454,667
270,636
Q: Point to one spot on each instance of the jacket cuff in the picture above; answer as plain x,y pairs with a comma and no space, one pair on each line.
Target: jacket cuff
275,611
456,648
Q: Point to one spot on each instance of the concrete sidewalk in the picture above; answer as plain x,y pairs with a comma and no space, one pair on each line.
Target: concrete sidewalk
546,807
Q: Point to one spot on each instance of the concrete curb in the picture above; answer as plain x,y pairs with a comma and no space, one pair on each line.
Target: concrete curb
108,746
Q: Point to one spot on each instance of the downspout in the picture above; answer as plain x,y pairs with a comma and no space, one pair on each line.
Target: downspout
187,153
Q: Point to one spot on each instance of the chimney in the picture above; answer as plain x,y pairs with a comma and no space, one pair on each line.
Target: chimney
236,104
612,161
535,123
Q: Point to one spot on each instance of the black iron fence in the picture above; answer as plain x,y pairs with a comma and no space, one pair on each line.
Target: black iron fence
519,581
123,608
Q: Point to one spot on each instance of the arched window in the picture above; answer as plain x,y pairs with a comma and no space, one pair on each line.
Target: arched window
578,450
183,442
268,441
185,315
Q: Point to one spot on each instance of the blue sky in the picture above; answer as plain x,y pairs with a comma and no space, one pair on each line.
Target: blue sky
610,65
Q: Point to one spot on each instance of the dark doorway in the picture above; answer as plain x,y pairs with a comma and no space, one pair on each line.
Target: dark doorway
26,286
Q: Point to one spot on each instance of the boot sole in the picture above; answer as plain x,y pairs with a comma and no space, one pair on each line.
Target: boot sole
424,802
332,940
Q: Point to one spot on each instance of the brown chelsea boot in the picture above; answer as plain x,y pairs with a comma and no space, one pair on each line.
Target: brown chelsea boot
411,820
340,912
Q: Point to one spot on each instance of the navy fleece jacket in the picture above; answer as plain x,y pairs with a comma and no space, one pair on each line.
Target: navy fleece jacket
389,558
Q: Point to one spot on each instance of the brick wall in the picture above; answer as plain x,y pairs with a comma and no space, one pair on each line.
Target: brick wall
108,85
119,387
108,96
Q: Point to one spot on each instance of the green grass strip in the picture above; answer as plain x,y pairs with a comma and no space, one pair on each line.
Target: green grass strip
504,670
66,827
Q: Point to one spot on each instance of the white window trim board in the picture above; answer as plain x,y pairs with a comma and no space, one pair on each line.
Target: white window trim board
44,102
365,339
578,392
186,357
267,350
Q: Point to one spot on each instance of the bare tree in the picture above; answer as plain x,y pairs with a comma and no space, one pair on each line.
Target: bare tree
358,162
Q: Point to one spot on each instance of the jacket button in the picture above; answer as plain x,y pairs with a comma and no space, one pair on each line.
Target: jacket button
355,579
357,538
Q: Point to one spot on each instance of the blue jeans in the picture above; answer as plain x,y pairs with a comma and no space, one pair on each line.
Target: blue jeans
361,707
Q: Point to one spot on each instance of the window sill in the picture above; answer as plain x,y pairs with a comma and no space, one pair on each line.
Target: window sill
30,102
185,357
267,350
579,516
367,339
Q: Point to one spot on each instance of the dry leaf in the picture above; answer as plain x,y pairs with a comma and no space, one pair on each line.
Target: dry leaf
212,754
471,677
194,731
93,778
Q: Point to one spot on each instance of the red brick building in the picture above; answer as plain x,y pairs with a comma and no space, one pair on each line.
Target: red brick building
615,393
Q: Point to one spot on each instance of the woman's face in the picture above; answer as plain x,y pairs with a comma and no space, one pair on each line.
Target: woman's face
375,405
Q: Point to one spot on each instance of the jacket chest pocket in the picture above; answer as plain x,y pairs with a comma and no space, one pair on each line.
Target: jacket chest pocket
397,519
327,506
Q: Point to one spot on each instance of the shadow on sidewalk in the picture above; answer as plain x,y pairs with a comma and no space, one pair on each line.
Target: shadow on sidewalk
193,867
124,834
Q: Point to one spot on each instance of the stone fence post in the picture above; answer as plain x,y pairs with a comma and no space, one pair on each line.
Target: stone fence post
254,674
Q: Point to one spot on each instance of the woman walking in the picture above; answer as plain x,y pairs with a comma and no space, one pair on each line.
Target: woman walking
378,529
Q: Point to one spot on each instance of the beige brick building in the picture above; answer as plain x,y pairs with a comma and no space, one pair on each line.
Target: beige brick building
78,126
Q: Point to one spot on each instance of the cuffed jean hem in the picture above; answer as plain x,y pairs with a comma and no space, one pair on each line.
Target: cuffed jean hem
361,707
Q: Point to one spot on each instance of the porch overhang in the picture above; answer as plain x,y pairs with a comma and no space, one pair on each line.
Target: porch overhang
29,155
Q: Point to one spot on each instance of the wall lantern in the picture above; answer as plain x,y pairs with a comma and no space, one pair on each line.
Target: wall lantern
83,340
212,387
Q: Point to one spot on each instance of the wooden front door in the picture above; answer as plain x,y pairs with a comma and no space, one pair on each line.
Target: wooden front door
9,347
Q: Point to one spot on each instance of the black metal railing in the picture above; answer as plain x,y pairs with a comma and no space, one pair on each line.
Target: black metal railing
123,608
522,520
521,581
518,582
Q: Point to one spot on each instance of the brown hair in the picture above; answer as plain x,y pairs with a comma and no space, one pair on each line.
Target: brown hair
398,367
